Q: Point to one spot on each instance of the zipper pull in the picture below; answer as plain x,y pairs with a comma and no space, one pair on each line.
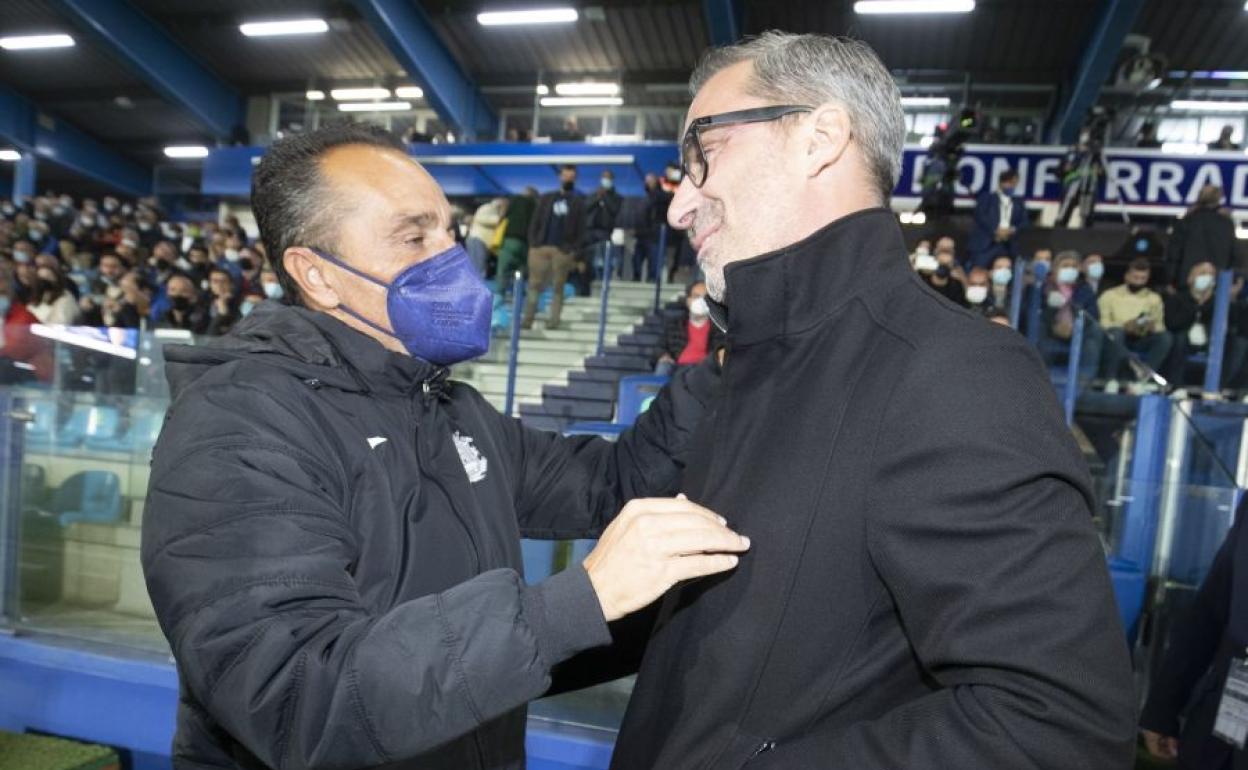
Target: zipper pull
764,748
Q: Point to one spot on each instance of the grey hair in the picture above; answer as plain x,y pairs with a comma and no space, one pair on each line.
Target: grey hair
821,69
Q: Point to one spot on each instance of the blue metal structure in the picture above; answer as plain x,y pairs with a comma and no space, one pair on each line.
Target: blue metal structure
24,175
161,61
411,37
607,269
1114,21
724,20
67,691
1071,394
1217,335
55,141
513,360
481,169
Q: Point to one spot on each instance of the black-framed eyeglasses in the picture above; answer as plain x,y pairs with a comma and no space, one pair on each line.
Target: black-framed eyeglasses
693,157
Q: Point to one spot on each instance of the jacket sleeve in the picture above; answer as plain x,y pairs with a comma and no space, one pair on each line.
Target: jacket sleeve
572,487
249,559
1193,640
982,534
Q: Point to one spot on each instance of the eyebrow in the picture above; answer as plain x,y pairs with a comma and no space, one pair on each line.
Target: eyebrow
424,220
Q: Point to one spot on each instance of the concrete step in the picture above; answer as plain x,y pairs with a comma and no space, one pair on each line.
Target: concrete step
498,382
529,369
572,358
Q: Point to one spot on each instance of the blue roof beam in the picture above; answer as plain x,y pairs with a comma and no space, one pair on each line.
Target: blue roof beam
53,140
724,20
412,39
161,61
1113,22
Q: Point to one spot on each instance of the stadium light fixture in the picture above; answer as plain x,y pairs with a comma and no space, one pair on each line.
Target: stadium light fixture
35,42
315,96
581,101
409,92
349,94
1203,105
925,101
186,151
913,6
374,106
284,27
12,156
587,89
527,16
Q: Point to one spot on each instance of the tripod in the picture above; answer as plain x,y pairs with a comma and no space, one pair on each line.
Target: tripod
1085,167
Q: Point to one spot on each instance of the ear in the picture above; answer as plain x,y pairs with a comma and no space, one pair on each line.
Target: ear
308,271
829,138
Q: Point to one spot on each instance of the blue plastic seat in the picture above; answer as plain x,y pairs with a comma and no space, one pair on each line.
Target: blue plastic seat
636,393
102,424
40,429
139,436
72,432
89,496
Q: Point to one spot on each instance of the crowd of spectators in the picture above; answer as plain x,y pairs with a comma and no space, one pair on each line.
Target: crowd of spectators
1160,316
120,264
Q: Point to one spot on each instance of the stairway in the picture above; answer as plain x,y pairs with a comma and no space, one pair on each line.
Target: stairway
560,379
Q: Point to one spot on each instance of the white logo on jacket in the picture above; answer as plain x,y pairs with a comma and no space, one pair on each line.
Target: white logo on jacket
475,464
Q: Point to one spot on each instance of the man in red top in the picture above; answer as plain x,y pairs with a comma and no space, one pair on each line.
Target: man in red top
689,337
23,356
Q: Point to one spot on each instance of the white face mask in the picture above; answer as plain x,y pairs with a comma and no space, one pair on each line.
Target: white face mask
976,294
926,263
1002,276
1096,270
1068,275
698,308
232,255
1056,299
1202,282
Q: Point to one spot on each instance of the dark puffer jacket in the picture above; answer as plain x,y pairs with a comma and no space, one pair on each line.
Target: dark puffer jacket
332,545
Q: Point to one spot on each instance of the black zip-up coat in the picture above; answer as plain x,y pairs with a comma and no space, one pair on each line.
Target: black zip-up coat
924,588
332,545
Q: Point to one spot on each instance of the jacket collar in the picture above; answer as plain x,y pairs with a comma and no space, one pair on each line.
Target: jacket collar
377,368
793,288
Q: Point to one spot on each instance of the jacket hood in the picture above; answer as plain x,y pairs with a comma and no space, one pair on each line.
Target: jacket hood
309,345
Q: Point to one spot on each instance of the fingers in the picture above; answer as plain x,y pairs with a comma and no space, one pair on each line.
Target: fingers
703,540
690,567
666,506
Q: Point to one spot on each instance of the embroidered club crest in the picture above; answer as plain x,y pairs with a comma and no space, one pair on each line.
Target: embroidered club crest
475,464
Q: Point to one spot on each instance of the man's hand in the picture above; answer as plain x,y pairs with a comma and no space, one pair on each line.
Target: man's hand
653,545
1161,746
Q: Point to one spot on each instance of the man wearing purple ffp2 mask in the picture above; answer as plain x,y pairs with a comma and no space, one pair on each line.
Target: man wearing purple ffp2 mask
332,533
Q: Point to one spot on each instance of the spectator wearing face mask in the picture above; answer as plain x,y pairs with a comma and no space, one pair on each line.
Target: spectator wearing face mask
999,215
249,302
185,310
1000,292
25,276
249,272
24,357
1204,234
977,289
556,235
602,212
689,336
1133,316
110,272
223,311
485,221
939,272
1063,300
1092,274
270,288
1041,263
1189,318
52,302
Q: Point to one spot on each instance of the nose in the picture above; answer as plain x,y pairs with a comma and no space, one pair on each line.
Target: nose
684,204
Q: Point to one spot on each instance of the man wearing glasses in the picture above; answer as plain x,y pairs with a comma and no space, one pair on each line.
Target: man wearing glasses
925,588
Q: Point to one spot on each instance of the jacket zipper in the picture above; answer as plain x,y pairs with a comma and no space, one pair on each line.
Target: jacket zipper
432,476
763,748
